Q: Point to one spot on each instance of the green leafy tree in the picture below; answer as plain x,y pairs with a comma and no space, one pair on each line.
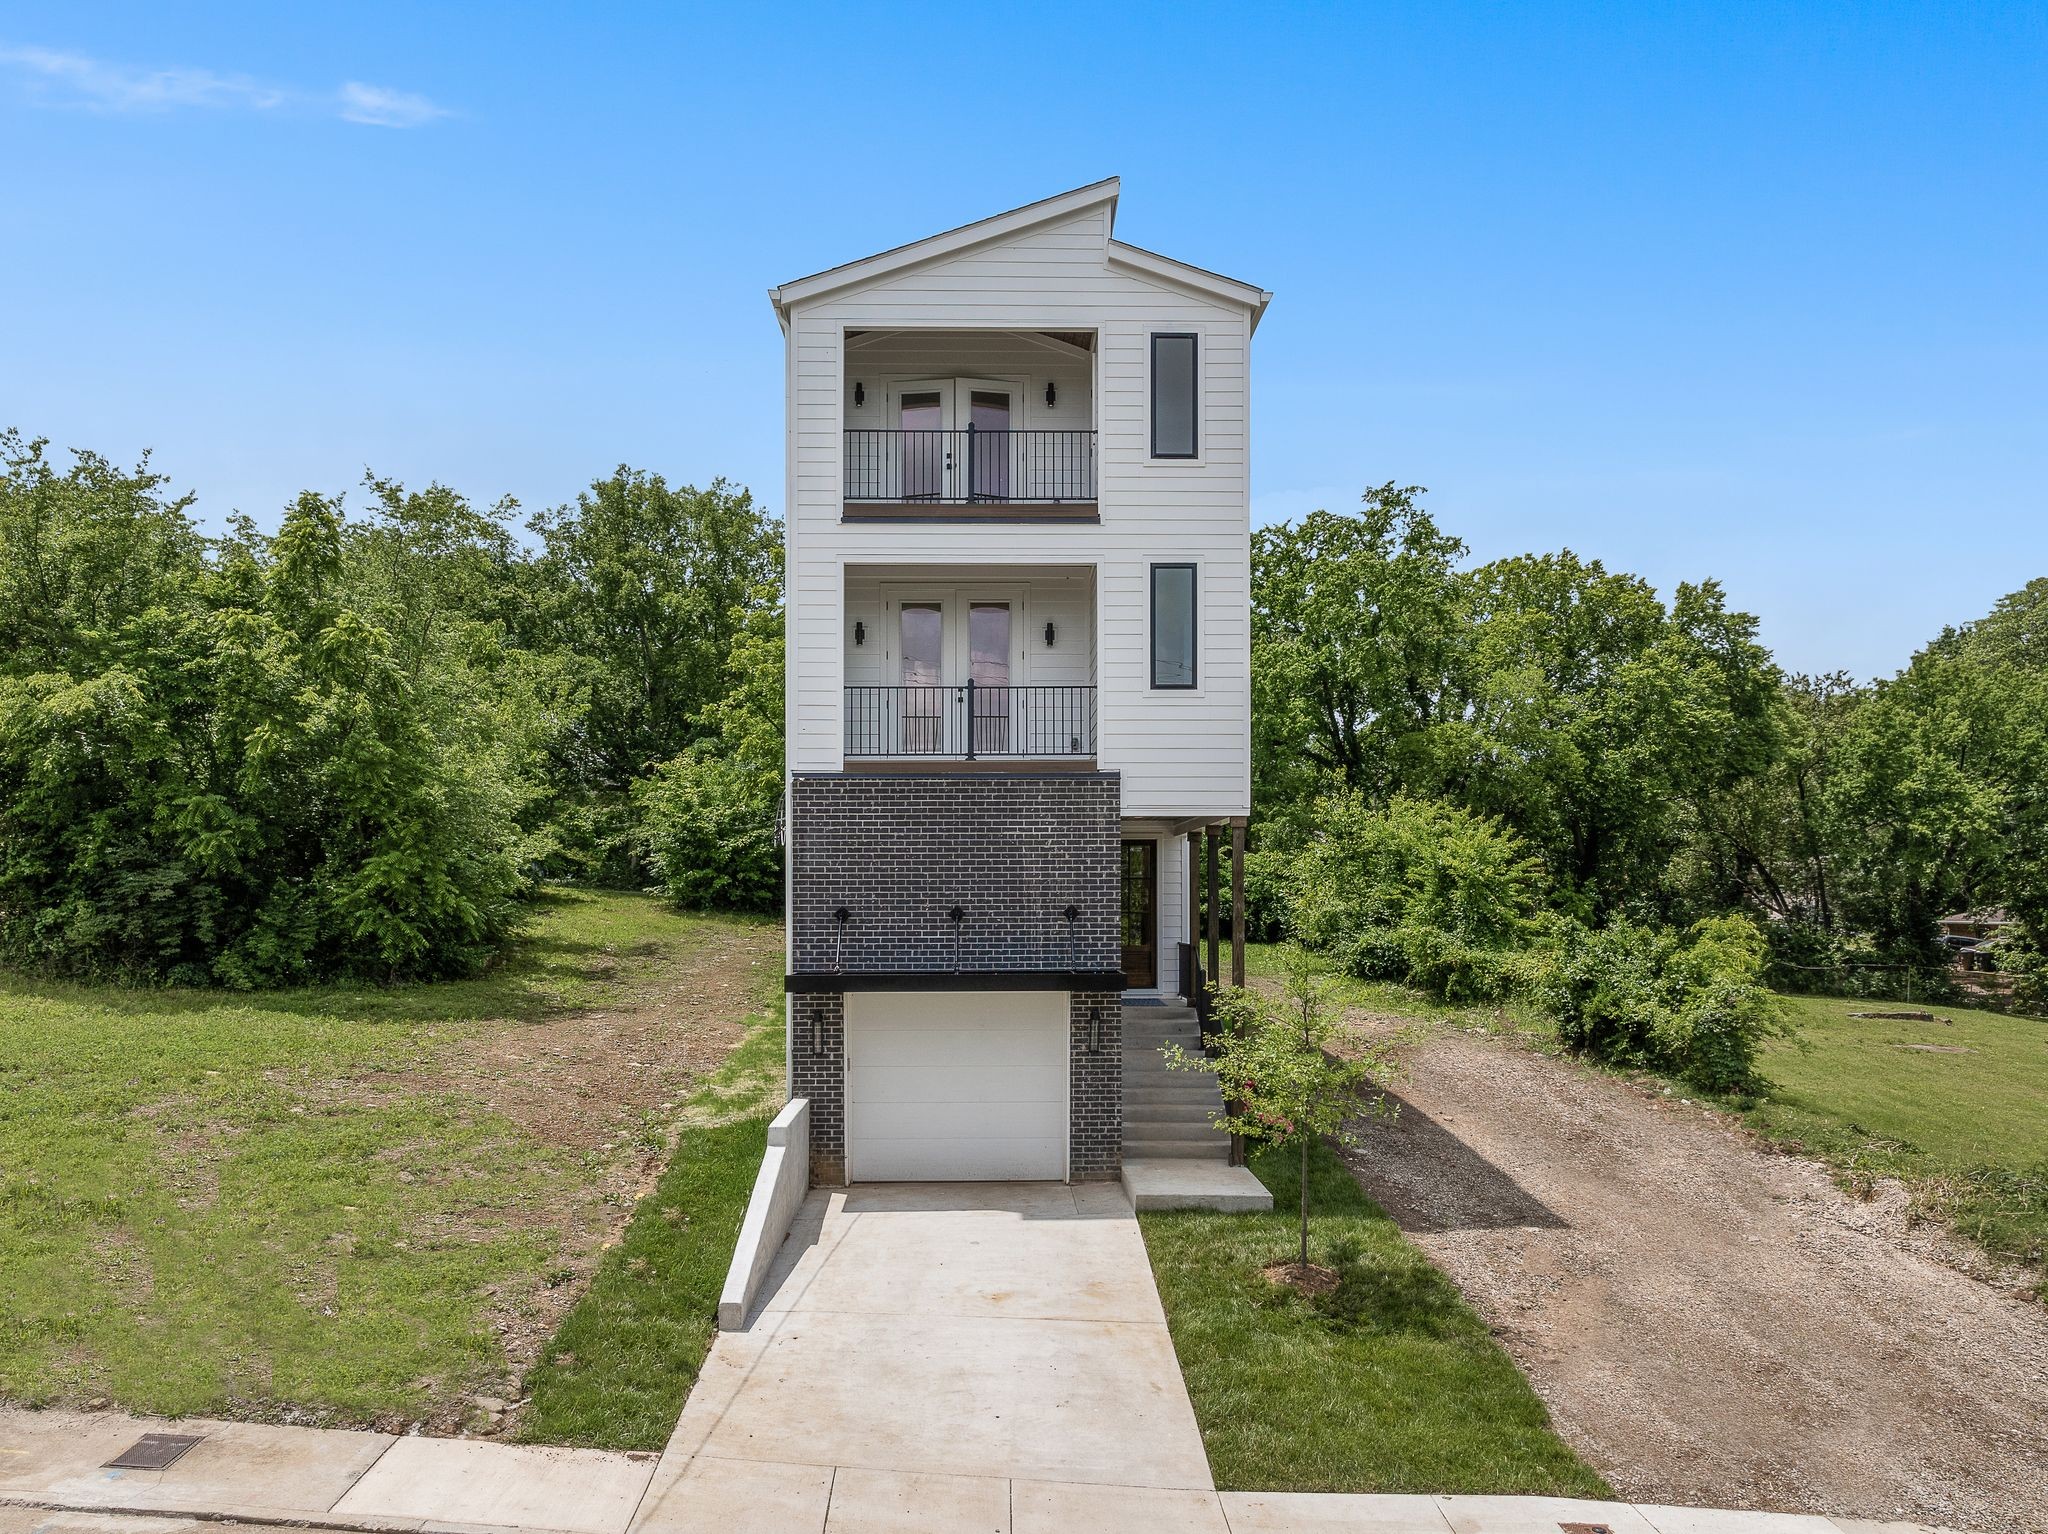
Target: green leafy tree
1604,716
1281,1079
1360,623
647,585
217,764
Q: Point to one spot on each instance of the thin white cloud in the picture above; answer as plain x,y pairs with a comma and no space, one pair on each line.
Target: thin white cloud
53,77
381,107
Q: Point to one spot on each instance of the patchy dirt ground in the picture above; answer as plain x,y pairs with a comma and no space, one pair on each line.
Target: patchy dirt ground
592,1083
588,1082
1707,1322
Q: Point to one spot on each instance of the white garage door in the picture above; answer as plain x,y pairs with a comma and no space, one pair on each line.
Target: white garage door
956,1086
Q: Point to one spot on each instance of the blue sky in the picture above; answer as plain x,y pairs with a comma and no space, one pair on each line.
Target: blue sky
1754,292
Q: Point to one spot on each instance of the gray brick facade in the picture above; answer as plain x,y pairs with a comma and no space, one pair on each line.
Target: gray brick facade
1095,1087
817,1070
899,852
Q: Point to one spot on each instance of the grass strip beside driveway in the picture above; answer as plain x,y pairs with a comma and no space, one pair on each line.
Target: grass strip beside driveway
618,1369
1391,1384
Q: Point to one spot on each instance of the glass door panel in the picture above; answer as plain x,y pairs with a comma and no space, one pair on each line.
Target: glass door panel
988,663
922,635
921,416
988,469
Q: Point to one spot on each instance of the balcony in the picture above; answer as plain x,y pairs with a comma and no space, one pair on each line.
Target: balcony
946,425
970,722
971,467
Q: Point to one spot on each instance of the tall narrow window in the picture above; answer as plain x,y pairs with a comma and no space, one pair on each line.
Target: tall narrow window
1173,625
1175,377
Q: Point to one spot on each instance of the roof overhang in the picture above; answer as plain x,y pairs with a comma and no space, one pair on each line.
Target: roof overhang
1150,263
981,232
1002,226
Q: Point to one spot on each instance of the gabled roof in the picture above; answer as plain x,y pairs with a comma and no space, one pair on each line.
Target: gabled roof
1004,225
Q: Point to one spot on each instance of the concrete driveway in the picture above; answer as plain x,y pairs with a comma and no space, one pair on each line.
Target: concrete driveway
929,1332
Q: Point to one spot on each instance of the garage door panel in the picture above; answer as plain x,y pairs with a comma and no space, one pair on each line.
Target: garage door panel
956,1086
881,1083
894,1041
981,1160
947,1120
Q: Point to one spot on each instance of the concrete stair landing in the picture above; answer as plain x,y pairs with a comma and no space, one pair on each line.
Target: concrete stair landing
1174,1156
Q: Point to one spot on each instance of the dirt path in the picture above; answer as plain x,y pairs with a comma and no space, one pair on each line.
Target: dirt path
1709,1323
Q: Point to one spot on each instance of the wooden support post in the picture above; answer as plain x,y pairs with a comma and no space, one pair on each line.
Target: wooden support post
1212,840
1237,904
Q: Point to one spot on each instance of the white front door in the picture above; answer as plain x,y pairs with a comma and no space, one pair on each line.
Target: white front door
956,1086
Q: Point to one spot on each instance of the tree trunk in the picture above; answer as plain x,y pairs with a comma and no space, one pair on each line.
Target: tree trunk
1304,1203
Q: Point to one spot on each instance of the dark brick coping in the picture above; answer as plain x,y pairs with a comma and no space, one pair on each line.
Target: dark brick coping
954,980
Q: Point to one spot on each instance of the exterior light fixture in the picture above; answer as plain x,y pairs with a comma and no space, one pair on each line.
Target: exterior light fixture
1095,1030
860,394
1048,635
1051,393
860,632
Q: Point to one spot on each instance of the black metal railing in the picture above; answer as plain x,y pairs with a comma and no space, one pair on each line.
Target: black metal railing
1198,987
971,466
970,721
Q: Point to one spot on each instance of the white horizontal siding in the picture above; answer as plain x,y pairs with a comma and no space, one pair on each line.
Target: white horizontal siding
1181,753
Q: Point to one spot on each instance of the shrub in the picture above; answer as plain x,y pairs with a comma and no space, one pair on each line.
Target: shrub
1420,890
707,826
1693,1004
707,817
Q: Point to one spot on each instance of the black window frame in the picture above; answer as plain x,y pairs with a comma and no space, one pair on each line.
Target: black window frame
1194,626
1194,338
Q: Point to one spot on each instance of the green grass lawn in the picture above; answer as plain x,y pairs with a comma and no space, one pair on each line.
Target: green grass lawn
293,1204
1393,1384
1963,1122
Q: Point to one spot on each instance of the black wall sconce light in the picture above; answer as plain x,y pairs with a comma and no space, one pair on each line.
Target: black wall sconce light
1051,393
860,632
1095,1030
860,394
1048,636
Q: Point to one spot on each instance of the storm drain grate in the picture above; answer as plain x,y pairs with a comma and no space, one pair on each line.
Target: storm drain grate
153,1451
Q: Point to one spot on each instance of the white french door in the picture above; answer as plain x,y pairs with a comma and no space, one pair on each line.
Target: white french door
940,640
956,438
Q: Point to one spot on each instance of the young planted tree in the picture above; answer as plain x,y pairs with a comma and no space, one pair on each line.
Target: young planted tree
1281,1080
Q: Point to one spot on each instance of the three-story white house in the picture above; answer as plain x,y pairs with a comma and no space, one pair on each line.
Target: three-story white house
1018,528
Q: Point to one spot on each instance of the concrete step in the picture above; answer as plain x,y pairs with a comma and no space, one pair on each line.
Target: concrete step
1170,1088
1178,1150
1186,1184
1192,1112
1189,1132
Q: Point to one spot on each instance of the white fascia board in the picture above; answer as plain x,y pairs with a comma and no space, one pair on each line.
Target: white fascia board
952,242
1214,284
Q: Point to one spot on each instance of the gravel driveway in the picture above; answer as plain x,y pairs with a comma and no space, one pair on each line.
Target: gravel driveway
1709,1323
